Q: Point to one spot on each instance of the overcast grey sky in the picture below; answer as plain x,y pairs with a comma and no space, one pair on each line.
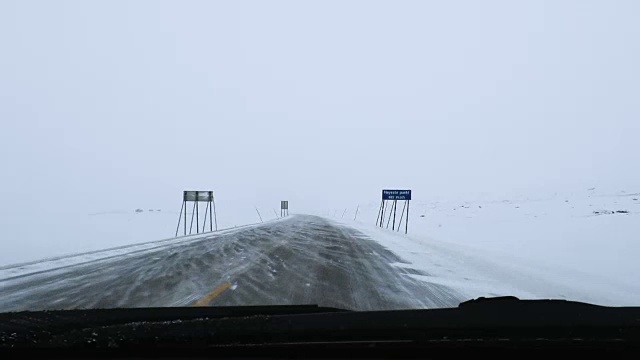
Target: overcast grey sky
120,104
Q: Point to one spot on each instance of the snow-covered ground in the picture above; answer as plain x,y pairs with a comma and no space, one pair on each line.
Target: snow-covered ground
31,237
66,260
581,246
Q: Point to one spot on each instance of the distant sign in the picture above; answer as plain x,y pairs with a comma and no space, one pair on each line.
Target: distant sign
396,194
198,196
284,205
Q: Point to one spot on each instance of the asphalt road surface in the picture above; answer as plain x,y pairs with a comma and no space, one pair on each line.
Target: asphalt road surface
298,260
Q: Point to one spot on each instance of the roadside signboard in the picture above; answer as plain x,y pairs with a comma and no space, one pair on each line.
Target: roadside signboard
396,194
198,196
392,196
284,205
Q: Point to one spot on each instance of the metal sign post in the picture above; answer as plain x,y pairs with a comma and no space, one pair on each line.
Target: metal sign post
197,197
394,196
284,208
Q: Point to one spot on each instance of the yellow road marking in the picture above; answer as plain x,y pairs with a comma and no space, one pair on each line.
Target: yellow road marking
209,298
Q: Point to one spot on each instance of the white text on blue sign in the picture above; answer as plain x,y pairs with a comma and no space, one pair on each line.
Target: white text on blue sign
396,194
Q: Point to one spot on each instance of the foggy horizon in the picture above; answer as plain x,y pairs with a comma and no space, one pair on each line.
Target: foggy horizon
117,105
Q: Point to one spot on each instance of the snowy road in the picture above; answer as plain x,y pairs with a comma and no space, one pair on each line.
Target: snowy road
298,260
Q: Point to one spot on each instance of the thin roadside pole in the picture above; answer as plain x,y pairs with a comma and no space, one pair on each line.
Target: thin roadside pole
206,210
215,215
180,218
395,208
193,212
402,214
391,210
406,222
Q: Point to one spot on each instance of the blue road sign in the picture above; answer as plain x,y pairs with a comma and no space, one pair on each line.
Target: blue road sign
396,194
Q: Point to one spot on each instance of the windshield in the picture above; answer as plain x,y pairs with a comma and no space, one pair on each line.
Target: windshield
364,155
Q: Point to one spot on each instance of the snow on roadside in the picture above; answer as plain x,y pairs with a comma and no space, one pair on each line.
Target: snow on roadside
575,246
59,234
58,262
476,273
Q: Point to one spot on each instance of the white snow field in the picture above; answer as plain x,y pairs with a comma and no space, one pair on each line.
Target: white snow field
579,246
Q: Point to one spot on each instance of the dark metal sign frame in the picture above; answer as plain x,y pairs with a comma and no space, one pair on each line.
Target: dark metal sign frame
394,196
284,208
197,197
